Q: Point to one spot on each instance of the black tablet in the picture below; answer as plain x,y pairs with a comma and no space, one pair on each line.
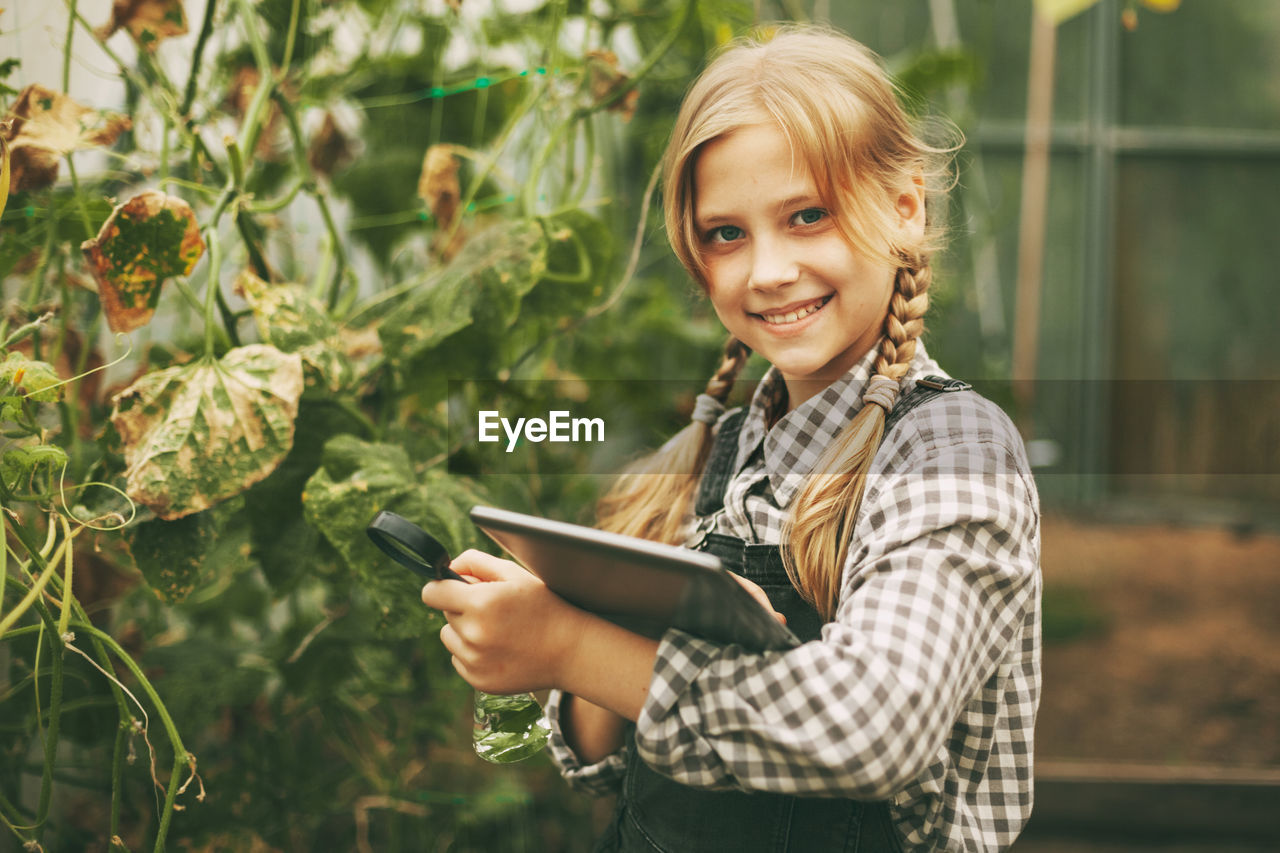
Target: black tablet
644,586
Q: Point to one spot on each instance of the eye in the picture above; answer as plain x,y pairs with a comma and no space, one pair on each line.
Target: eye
724,234
809,216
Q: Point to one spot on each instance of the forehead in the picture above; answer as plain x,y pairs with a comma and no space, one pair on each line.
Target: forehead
751,169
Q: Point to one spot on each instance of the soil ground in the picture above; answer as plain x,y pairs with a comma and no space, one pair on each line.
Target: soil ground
1162,644
1162,647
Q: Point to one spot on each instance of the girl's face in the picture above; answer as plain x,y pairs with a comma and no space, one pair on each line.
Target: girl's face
780,275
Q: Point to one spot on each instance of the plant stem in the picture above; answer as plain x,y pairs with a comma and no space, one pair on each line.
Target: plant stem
51,736
181,758
164,150
655,55
66,47
243,223
33,593
308,182
291,37
275,205
210,297
117,765
206,28
266,80
65,616
170,796
21,534
487,165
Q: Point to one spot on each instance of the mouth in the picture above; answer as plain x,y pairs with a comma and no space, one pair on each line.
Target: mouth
793,313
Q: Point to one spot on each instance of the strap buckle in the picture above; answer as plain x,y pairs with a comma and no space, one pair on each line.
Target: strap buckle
942,383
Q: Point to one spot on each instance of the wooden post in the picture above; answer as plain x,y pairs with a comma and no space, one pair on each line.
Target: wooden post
1032,217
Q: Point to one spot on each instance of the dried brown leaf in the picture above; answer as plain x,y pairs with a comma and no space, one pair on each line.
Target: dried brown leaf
438,186
148,21
330,148
46,125
607,78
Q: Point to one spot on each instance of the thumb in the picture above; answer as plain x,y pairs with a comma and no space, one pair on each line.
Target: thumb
485,567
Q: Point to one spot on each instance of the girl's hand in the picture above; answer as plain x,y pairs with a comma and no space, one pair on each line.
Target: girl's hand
508,633
759,595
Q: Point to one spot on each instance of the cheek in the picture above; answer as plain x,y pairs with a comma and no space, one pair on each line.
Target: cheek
718,282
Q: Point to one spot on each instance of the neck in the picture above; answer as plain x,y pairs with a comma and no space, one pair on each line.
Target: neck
800,390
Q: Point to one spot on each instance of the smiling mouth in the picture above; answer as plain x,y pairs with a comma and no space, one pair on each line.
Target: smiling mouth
797,314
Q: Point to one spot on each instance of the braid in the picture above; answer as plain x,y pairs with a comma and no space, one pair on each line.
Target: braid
651,498
904,323
819,531
735,358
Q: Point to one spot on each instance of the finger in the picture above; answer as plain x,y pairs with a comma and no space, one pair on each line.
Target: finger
485,567
450,640
750,586
449,596
759,595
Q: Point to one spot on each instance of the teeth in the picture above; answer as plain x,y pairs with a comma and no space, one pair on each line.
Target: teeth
792,316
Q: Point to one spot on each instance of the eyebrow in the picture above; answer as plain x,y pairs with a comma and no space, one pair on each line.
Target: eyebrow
703,223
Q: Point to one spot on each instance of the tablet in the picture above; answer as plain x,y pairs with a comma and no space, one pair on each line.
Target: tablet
644,586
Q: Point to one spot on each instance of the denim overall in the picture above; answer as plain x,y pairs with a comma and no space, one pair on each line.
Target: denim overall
656,813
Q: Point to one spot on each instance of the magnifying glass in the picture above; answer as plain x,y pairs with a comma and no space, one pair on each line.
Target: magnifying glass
507,728
411,546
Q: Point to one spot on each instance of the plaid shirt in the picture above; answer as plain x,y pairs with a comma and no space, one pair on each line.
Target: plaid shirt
923,690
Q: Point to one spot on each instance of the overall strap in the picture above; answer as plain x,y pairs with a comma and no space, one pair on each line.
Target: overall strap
719,468
926,388
724,449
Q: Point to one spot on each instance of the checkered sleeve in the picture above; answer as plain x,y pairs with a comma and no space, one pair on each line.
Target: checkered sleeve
603,777
935,597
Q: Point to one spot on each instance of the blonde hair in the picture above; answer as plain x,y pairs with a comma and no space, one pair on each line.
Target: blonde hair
841,113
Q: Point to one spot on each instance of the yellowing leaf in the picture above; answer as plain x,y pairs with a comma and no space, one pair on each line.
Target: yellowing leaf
290,319
145,240
485,283
148,21
201,433
48,124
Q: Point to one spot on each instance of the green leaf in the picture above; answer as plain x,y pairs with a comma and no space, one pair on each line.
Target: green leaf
36,379
291,320
20,466
176,556
149,238
356,480
484,284
279,530
198,434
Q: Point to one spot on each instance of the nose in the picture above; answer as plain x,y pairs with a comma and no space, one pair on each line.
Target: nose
773,263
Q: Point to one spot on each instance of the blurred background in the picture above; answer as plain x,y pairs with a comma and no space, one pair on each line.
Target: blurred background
1110,280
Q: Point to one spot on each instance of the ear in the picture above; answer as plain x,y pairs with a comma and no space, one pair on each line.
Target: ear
911,207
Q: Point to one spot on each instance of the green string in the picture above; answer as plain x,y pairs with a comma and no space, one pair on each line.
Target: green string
443,92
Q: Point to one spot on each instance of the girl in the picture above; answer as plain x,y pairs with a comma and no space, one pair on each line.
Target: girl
887,512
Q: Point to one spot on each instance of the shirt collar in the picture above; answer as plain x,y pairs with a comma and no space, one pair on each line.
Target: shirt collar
792,446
